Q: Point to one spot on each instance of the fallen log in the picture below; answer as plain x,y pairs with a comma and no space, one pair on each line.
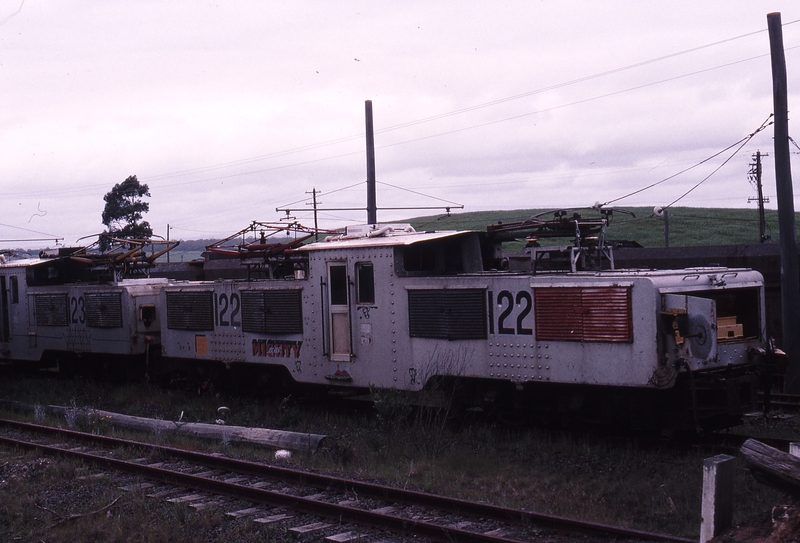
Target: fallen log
772,467
280,439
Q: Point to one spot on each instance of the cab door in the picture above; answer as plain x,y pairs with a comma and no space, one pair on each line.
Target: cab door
339,312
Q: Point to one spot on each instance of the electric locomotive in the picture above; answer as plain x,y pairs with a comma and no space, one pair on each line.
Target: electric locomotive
69,309
387,306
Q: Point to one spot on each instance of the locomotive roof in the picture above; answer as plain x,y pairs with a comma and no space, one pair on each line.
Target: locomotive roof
380,235
23,262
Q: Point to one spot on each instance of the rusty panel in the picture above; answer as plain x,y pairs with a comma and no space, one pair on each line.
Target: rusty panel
593,314
104,309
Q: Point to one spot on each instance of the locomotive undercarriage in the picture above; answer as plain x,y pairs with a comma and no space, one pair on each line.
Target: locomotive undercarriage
698,402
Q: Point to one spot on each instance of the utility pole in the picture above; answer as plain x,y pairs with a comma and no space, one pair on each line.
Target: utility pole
755,177
790,280
372,202
313,194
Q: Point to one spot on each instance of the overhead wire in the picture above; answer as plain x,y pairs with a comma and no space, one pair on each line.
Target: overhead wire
460,111
741,143
49,236
474,108
764,125
471,127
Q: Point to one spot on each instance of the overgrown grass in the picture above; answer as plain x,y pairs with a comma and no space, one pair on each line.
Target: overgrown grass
574,476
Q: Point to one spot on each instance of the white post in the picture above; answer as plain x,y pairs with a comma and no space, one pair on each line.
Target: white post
717,507
794,448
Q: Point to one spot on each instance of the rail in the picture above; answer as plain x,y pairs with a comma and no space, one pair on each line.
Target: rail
514,519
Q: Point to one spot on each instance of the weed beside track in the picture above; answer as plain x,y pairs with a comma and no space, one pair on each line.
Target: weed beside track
527,468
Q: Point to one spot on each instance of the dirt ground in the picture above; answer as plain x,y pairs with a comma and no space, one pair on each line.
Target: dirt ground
779,525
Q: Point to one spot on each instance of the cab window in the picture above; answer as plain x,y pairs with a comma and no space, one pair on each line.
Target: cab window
365,283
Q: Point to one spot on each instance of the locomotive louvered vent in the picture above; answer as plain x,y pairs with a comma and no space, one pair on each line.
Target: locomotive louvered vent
51,309
104,310
447,314
190,311
272,311
596,314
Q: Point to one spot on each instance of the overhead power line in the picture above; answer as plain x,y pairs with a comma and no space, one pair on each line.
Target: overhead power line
467,110
741,143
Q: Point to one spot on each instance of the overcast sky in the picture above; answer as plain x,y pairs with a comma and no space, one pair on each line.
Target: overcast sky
228,110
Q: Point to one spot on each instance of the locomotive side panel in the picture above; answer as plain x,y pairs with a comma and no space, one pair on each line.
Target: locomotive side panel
88,320
592,331
73,319
259,322
14,316
514,329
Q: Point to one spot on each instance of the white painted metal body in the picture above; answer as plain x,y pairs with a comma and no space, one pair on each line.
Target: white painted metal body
354,336
76,318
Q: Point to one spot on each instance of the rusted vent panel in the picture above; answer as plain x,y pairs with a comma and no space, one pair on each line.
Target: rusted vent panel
598,314
104,310
190,311
272,311
447,314
51,309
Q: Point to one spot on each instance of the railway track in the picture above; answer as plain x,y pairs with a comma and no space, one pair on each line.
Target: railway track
789,402
334,508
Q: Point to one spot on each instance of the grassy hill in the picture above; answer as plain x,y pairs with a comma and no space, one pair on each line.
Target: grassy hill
688,226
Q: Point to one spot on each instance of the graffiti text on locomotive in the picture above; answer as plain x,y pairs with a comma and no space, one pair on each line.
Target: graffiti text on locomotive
272,348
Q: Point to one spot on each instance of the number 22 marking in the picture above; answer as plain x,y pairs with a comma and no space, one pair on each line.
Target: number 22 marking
505,300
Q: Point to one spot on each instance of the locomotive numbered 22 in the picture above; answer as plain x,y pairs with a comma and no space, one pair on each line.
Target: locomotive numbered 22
386,306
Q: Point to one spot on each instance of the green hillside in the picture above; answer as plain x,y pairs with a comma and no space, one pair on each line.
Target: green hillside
688,226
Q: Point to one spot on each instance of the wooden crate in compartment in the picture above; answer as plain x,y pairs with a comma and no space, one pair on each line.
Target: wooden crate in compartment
728,329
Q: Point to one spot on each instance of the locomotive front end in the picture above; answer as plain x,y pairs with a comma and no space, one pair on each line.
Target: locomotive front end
713,336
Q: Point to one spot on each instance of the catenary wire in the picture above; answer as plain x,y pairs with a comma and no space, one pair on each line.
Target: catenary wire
467,109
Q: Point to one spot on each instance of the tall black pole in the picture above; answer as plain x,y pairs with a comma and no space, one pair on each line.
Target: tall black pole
790,281
372,203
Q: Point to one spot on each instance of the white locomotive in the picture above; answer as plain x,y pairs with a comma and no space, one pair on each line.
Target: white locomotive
386,306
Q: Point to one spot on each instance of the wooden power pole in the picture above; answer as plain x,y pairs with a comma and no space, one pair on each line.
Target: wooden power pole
755,177
790,280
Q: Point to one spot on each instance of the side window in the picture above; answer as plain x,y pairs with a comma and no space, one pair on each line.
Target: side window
365,283
338,280
14,290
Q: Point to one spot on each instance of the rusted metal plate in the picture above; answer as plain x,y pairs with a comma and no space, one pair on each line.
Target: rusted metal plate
590,314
